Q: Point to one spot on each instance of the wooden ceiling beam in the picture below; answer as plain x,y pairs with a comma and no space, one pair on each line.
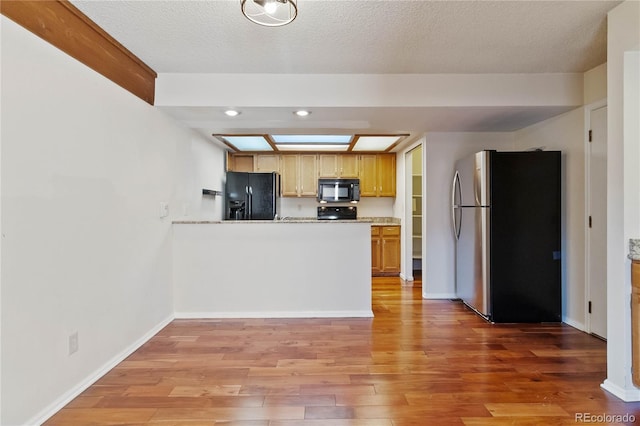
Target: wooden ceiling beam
67,28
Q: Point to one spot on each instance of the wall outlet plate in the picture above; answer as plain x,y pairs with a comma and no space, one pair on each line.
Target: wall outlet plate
73,343
164,209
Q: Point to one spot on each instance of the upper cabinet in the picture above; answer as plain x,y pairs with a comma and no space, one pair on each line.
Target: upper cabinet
239,162
299,174
386,175
338,165
300,171
377,175
267,163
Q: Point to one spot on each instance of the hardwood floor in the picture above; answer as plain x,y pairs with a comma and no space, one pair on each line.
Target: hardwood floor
418,362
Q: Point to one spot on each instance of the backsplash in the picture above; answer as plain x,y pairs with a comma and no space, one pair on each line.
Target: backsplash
307,207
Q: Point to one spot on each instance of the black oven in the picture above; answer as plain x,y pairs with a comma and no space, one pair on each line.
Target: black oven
334,190
337,213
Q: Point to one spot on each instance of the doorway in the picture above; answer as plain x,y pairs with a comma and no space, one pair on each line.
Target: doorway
596,153
414,214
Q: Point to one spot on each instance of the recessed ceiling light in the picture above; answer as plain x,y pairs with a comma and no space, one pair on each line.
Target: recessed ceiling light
232,112
302,113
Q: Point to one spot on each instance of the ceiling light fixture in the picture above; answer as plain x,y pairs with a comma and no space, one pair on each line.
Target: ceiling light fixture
302,113
232,112
270,13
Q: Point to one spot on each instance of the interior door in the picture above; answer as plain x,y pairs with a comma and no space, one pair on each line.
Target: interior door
597,224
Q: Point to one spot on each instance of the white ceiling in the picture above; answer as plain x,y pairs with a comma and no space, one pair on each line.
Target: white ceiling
365,37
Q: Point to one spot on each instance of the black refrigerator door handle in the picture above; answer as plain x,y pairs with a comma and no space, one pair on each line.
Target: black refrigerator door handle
247,203
455,189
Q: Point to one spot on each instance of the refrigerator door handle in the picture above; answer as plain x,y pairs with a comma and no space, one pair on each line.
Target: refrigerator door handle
455,190
250,202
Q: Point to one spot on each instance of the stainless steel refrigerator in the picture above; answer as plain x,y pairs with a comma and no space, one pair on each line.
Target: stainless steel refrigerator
252,196
506,222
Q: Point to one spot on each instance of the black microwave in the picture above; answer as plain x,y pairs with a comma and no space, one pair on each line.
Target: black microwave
334,190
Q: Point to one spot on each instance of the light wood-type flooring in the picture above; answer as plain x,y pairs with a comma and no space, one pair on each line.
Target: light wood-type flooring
418,362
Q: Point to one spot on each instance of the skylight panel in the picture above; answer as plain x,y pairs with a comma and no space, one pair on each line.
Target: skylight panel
375,143
249,143
311,147
312,139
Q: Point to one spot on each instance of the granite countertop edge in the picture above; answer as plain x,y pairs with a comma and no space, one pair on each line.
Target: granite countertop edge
634,249
376,221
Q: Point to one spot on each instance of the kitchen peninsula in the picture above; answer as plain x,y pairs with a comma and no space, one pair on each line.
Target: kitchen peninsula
288,268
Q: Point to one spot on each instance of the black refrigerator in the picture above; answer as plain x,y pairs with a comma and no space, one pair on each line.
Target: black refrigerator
252,196
506,222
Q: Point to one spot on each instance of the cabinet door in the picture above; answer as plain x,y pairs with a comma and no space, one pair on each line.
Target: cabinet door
390,255
328,165
308,175
289,175
240,162
390,262
267,163
386,175
348,165
368,175
376,250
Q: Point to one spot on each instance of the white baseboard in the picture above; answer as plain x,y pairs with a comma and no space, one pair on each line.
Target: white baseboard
92,378
575,324
406,277
275,314
627,395
439,296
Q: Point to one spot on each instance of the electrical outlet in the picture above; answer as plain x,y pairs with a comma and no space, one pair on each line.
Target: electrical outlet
73,343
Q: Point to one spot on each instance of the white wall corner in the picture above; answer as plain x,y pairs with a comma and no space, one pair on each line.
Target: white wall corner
595,84
72,393
627,395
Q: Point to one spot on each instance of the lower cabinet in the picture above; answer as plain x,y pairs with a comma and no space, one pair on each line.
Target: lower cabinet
385,250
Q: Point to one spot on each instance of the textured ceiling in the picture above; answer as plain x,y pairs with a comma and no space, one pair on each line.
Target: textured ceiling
362,36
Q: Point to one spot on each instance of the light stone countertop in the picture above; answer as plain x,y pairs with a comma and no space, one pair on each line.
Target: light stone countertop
375,221
634,249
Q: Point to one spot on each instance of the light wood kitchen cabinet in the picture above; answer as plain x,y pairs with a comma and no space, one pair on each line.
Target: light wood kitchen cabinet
308,175
239,162
376,250
378,175
390,258
348,165
299,175
368,175
328,165
385,250
289,175
377,172
267,163
338,165
386,175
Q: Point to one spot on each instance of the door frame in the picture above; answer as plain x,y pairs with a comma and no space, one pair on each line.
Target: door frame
406,272
588,109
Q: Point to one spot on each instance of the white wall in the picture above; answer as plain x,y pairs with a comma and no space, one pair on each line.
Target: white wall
595,84
566,133
623,197
84,167
202,167
274,269
442,150
1,20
